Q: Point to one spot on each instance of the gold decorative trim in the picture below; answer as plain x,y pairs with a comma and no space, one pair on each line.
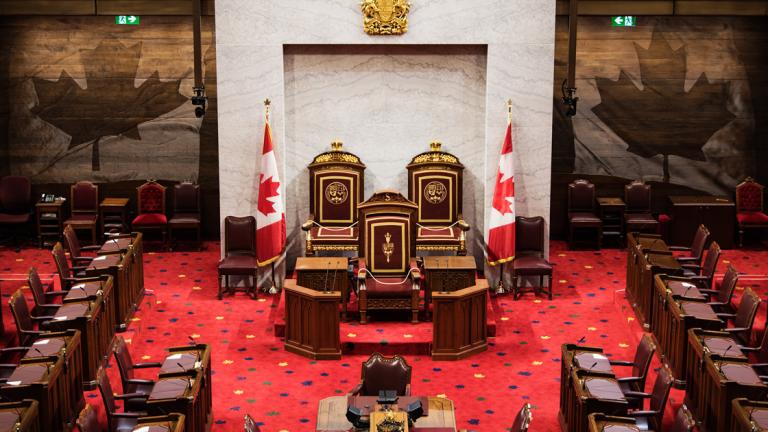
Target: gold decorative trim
337,155
437,248
321,178
371,248
385,17
421,177
334,247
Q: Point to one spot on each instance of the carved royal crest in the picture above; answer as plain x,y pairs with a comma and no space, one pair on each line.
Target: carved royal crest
387,247
435,192
385,17
336,193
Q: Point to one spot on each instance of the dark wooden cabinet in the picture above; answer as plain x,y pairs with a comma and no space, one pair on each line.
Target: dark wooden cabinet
447,274
325,274
688,212
459,324
312,322
19,416
50,221
611,212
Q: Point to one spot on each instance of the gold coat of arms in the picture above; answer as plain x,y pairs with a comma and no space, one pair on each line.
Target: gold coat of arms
385,17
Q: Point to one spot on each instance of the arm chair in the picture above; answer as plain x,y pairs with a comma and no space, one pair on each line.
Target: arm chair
388,276
15,204
522,419
704,275
435,184
749,207
651,419
336,186
696,251
118,421
130,383
744,317
720,299
637,215
75,250
684,421
84,208
380,373
68,276
758,355
186,211
640,365
239,253
44,301
529,256
88,420
151,209
25,321
581,212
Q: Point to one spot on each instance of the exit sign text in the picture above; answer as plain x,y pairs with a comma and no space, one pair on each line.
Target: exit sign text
624,21
127,20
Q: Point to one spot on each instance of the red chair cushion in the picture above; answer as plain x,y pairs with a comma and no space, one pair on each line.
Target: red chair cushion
151,198
584,219
150,219
752,218
750,197
531,265
334,234
238,264
438,234
81,219
389,289
185,219
6,218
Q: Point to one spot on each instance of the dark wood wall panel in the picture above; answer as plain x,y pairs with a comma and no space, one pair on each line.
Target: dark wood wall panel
103,7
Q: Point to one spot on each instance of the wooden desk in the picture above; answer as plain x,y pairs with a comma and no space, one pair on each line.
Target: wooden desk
668,288
173,422
325,274
637,245
582,359
312,322
611,211
715,213
46,383
649,265
600,422
133,245
725,380
187,361
127,287
447,274
459,327
591,394
113,214
49,219
331,416
19,416
749,416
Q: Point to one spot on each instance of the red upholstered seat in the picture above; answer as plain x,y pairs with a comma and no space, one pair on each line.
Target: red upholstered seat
81,219
334,234
242,263
583,219
531,265
184,218
438,234
6,218
752,218
148,219
388,287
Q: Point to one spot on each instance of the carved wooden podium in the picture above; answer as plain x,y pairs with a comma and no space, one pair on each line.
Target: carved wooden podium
459,323
312,322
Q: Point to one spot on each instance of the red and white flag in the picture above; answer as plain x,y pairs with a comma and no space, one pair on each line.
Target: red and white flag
501,234
270,217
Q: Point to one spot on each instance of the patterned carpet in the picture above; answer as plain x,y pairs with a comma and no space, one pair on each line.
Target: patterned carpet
253,374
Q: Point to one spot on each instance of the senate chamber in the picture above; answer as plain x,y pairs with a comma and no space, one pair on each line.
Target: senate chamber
383,215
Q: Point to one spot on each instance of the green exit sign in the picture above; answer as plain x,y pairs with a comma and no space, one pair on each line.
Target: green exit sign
624,21
127,19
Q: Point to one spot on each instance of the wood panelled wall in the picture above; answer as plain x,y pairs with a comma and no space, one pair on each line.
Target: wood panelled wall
679,102
83,98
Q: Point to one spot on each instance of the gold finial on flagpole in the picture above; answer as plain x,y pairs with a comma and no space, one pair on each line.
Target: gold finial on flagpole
267,104
509,110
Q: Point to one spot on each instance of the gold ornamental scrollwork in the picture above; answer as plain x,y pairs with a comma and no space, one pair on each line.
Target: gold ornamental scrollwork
385,17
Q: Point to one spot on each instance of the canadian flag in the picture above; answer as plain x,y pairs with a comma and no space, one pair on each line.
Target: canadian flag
501,233
270,216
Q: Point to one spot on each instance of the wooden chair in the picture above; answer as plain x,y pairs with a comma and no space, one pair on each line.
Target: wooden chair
703,276
749,207
72,244
88,420
529,256
640,365
186,211
336,186
720,299
239,252
383,373
581,211
522,419
117,421
684,421
637,215
435,184
696,251
130,383
68,276
84,208
25,321
388,276
15,205
151,209
651,419
744,317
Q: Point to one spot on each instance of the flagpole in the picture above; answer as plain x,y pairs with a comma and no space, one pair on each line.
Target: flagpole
500,287
273,288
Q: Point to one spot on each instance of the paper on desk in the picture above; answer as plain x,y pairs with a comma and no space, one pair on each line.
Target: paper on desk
99,258
142,429
13,383
174,357
60,318
599,357
688,285
78,286
41,342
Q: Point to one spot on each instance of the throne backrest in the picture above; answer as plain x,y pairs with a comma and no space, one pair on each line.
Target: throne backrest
151,197
581,196
387,233
749,196
385,373
637,197
435,184
240,235
336,186
85,197
15,194
529,236
186,198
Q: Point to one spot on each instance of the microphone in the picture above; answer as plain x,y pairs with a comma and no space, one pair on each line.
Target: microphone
191,340
333,282
688,289
181,366
584,381
727,349
582,340
325,284
38,351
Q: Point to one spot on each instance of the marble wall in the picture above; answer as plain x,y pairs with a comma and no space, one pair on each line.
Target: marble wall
350,86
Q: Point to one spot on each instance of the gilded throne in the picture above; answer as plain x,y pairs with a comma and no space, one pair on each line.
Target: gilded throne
336,184
388,275
435,185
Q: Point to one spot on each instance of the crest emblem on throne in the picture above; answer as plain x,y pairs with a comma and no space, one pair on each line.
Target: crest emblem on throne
435,192
336,193
385,17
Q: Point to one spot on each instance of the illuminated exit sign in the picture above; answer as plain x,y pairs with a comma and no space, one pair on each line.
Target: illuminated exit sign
624,21
127,19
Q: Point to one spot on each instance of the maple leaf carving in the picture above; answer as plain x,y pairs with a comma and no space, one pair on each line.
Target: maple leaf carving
662,118
503,190
111,104
267,189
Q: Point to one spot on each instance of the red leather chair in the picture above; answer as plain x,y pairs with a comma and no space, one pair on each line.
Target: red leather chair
25,321
130,383
704,275
651,419
72,244
84,208
696,251
749,207
581,211
388,276
529,255
118,421
239,252
151,209
68,276
186,210
744,318
384,373
637,216
15,203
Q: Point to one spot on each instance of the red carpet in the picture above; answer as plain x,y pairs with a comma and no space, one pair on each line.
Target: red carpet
253,374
